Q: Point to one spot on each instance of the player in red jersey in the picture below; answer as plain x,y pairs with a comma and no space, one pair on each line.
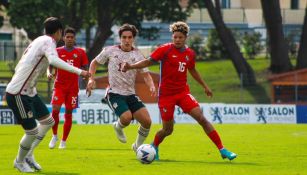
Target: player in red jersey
66,86
175,60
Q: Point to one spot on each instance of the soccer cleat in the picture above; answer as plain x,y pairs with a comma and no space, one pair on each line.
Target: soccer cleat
53,141
157,152
62,144
23,167
119,133
227,154
32,163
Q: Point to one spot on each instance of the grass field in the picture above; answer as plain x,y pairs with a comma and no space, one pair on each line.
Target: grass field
94,149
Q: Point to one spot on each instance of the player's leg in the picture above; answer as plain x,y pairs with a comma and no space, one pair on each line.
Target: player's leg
56,101
23,114
46,122
166,107
120,107
190,105
70,104
141,114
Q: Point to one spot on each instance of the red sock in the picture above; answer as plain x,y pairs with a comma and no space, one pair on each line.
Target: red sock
67,126
56,118
157,141
214,136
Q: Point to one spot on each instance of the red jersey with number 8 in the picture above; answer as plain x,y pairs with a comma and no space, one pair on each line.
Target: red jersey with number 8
173,68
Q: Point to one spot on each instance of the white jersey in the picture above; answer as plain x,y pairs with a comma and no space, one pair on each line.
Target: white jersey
122,83
34,63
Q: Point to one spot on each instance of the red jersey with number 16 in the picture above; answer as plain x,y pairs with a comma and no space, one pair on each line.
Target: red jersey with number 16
76,57
173,68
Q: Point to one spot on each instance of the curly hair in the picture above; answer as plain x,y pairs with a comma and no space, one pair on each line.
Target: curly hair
179,27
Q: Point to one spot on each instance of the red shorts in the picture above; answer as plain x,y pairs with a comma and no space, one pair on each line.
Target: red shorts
68,97
167,104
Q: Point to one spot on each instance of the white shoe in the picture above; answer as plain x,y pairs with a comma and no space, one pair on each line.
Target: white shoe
32,163
53,141
62,144
134,147
23,167
119,133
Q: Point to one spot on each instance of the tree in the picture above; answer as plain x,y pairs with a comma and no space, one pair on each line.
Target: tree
85,14
244,70
302,52
280,61
3,4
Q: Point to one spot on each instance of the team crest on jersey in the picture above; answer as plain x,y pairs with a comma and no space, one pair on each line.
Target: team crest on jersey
55,98
187,57
75,55
30,114
115,105
164,110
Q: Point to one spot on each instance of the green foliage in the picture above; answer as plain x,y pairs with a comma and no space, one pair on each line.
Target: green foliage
251,44
196,43
214,48
31,14
94,149
292,44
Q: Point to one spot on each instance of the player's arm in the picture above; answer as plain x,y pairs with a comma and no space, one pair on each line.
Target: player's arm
91,82
195,74
138,65
51,72
149,82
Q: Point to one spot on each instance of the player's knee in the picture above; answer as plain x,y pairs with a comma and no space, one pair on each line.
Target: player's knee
168,131
49,121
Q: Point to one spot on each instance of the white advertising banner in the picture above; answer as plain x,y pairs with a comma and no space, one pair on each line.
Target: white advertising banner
98,113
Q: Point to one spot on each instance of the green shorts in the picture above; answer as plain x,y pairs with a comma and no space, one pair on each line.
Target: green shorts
26,109
122,103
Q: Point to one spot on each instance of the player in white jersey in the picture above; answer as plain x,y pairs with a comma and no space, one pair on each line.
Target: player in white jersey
121,96
21,94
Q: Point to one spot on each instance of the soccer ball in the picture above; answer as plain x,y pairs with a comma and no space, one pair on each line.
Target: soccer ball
146,153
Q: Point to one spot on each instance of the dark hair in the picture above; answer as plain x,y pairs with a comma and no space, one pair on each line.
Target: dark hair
127,27
69,30
52,25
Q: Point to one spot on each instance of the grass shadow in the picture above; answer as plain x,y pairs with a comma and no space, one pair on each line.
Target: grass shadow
206,162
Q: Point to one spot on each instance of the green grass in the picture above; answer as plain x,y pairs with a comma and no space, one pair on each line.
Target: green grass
94,149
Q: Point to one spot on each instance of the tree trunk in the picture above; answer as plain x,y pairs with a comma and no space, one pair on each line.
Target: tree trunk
302,52
244,70
280,61
103,32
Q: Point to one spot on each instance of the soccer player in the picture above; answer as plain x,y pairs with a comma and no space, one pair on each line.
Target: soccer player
121,96
66,86
175,60
22,95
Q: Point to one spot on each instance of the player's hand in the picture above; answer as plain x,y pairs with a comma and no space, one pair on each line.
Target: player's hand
124,66
208,92
90,86
85,74
153,91
50,76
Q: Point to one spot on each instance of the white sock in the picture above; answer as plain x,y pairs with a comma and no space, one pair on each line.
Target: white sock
25,143
43,128
142,135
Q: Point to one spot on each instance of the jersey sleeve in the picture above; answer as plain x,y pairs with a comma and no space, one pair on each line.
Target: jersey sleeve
103,56
159,53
